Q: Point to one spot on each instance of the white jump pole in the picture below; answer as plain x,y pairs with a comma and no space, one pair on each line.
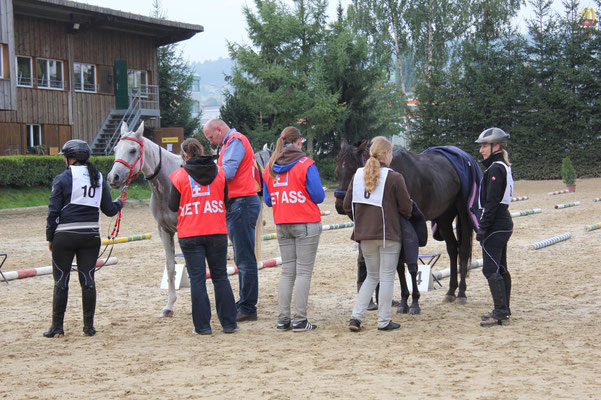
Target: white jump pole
126,239
520,198
551,241
588,228
559,192
28,273
566,205
446,272
526,212
270,236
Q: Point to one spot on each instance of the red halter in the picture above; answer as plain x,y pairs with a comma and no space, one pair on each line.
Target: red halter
131,167
130,178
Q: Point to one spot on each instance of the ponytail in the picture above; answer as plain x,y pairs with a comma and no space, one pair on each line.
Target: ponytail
94,174
289,135
371,172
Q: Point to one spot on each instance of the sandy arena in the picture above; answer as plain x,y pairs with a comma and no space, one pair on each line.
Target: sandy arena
551,350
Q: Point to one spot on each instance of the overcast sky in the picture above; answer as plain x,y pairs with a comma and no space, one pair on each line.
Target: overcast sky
222,21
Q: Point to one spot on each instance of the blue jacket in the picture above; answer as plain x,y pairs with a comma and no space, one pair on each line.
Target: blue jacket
314,187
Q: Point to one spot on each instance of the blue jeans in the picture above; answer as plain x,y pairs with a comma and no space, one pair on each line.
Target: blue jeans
213,248
241,218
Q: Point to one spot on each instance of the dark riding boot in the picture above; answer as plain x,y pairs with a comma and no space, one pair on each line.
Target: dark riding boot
88,297
507,280
500,314
59,305
371,305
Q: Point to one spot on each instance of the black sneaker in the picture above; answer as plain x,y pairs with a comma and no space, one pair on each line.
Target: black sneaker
354,325
391,325
303,326
284,325
241,317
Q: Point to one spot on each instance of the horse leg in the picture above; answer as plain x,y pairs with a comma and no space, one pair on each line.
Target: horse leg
464,232
403,308
168,245
445,227
415,308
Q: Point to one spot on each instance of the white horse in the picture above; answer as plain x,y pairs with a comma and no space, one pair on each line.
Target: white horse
135,154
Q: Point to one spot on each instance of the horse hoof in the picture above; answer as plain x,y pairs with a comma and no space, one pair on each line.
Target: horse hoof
415,311
461,300
402,310
449,298
167,314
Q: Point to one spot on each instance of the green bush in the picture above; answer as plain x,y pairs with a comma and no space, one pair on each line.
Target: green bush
30,171
568,173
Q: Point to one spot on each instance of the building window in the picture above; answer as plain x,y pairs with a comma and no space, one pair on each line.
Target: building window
24,71
196,85
84,76
138,81
34,135
1,61
49,73
196,107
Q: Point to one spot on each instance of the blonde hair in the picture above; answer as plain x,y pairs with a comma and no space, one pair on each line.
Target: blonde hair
289,135
505,153
192,148
377,151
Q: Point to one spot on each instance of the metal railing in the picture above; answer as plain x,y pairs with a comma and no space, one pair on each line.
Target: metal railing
143,97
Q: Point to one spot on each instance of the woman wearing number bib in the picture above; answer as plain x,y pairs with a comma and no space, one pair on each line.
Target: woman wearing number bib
72,229
293,189
198,195
496,224
374,199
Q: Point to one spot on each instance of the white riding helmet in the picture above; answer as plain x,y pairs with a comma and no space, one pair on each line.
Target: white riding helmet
493,135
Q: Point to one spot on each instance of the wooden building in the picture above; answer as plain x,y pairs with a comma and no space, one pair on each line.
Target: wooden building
73,70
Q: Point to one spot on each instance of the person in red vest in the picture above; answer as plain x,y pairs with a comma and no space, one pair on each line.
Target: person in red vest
293,189
237,160
198,195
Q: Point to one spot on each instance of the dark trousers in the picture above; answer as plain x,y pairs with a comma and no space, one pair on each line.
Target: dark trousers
494,252
84,245
213,249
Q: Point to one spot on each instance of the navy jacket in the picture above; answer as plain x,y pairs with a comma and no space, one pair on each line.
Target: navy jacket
60,210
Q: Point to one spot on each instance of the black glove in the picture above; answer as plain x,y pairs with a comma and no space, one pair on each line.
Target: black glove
480,235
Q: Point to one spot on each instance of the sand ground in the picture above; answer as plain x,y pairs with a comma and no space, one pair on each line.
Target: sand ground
551,350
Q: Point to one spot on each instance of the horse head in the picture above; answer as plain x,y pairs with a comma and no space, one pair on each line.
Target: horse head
350,158
128,156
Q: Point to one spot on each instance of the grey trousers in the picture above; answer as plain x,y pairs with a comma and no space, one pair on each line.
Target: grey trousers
298,247
381,263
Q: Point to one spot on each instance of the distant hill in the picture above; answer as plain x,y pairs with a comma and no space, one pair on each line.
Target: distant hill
212,81
213,71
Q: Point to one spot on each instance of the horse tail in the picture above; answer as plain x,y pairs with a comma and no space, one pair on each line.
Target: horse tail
464,227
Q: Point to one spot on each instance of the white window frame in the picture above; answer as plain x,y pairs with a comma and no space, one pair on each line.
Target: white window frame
195,106
132,81
195,85
31,133
30,71
1,61
78,78
61,69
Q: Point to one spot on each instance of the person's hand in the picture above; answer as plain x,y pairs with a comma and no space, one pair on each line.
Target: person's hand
480,235
50,246
123,200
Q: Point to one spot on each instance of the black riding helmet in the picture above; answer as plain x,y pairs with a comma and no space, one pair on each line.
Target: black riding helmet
77,149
